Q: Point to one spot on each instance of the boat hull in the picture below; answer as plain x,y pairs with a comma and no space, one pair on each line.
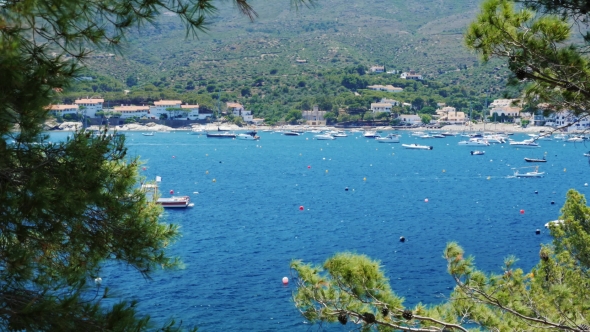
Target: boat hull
174,202
417,147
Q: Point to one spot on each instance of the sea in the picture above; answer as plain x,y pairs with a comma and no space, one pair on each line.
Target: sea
258,205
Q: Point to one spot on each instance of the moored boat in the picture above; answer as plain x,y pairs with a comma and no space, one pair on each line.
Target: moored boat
477,153
417,146
390,138
291,133
249,136
531,174
533,160
528,143
220,134
324,137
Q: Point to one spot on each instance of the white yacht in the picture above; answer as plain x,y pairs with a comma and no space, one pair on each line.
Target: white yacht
370,134
474,142
324,137
527,143
391,138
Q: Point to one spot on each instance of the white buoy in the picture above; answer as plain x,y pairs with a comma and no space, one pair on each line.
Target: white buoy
285,280
98,280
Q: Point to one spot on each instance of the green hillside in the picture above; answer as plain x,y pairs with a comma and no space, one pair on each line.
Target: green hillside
255,62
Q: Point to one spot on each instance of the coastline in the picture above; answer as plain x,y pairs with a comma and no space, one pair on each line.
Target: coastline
153,127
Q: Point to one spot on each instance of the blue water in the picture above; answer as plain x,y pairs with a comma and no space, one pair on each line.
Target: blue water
246,225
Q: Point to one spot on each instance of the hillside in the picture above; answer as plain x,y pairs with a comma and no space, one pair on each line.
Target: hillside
245,60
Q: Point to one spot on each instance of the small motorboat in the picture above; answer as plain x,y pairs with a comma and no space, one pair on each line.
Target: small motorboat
533,160
390,138
291,133
587,154
148,134
417,146
324,137
531,174
248,136
370,134
528,143
477,153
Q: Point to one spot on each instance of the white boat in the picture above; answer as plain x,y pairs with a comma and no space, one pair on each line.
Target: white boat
339,134
151,190
370,134
477,153
438,136
474,142
247,137
418,133
554,222
291,133
575,139
324,137
587,154
531,174
417,146
527,143
426,136
391,138
148,134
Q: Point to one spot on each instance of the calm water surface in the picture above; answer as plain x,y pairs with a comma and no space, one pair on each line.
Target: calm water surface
246,225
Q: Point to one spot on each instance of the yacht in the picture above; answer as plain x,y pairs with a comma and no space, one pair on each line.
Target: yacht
474,142
324,137
249,136
527,143
370,134
391,138
417,146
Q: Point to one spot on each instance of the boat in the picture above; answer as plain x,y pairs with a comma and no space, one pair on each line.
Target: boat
220,134
474,142
575,139
324,137
291,133
151,190
417,146
148,134
426,136
533,160
390,138
339,134
477,153
587,154
438,136
448,133
531,174
249,136
527,143
554,222
370,134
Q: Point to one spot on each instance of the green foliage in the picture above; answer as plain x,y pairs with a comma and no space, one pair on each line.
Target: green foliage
553,296
293,116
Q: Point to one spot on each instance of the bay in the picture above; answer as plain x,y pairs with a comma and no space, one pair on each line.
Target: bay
246,225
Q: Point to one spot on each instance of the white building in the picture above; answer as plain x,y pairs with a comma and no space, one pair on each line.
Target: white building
410,118
131,111
411,75
314,117
238,110
566,118
90,106
393,102
381,107
388,88
61,110
504,107
173,109
377,69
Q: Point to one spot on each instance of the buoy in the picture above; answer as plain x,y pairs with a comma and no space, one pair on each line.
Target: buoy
308,166
444,171
326,171
552,202
489,177
346,189
143,168
206,172
536,192
564,170
214,180
538,231
585,184
173,156
206,155
301,208
521,211
98,280
402,239
285,280
171,192
426,200
364,179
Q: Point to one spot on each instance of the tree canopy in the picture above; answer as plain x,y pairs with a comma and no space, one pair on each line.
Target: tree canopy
554,295
69,207
539,43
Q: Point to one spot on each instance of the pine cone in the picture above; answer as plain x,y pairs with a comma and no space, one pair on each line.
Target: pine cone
385,312
343,319
369,317
407,314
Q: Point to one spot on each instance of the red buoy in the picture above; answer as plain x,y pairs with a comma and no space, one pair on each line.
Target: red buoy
308,166
301,208
285,280
171,192
521,211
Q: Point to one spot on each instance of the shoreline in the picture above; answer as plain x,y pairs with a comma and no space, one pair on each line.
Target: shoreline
153,127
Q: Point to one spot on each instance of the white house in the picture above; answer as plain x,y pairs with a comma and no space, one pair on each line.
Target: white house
381,107
393,102
388,88
161,108
411,75
191,112
377,69
62,110
314,117
131,111
90,106
238,110
410,118
566,118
